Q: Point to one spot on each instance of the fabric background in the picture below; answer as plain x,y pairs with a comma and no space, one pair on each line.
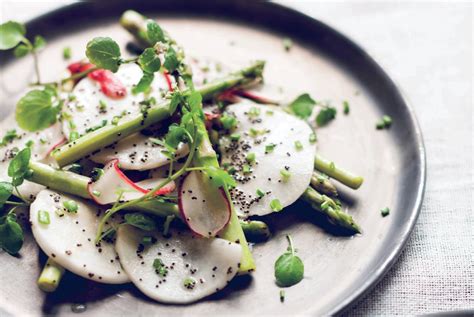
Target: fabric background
427,48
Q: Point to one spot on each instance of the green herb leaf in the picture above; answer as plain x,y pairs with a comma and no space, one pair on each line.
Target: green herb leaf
275,205
289,269
171,60
104,53
302,106
194,101
326,115
177,134
11,34
154,33
160,267
35,111
67,53
176,100
9,137
11,234
18,167
149,61
140,221
21,50
144,83
6,190
71,206
39,42
219,177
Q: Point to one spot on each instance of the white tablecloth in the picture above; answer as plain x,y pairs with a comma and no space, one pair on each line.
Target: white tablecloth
427,48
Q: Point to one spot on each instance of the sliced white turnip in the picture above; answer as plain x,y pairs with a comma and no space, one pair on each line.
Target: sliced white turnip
206,70
91,106
137,152
69,237
192,268
204,207
41,143
114,185
273,158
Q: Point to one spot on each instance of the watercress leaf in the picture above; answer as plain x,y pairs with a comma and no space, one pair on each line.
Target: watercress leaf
289,269
18,166
11,234
141,221
149,61
39,42
21,50
6,190
177,134
35,111
176,99
302,106
11,34
154,32
171,60
220,177
144,83
325,115
104,53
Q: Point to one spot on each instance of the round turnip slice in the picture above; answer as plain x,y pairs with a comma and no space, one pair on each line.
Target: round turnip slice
91,107
41,144
204,207
114,185
137,152
179,268
68,237
273,158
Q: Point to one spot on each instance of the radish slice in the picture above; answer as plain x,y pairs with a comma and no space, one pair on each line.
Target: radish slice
137,152
204,207
107,189
91,106
69,238
193,267
42,142
279,170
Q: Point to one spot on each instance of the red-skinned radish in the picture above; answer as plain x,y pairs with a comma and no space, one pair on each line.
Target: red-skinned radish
114,185
204,207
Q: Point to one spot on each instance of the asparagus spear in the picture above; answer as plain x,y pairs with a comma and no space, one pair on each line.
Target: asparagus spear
255,231
322,184
50,276
109,134
333,171
328,207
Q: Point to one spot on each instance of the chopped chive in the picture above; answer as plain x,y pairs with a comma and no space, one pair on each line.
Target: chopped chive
189,283
313,138
260,193
43,217
269,148
115,120
235,136
254,112
43,141
269,112
228,122
380,125
71,206
67,52
345,104
59,212
102,106
250,158
147,240
275,205
96,193
30,143
160,267
246,169
332,166
298,145
282,295
73,136
287,44
385,211
285,175
387,120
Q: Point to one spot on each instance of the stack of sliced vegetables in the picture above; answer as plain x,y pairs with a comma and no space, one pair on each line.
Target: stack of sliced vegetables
136,170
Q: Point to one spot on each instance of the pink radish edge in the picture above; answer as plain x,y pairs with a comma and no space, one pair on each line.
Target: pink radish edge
160,192
183,215
59,143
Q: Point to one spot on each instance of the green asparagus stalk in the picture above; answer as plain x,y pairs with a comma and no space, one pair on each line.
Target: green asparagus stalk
328,207
255,231
339,174
323,184
50,276
109,134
